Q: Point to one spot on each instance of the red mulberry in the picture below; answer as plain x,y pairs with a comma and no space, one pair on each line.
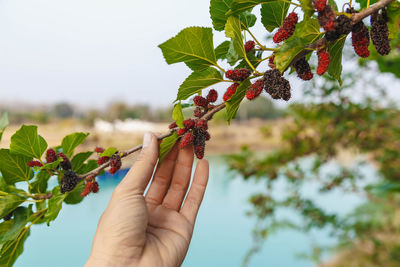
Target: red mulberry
287,28
238,74
212,96
303,69
323,62
88,189
51,155
327,19
230,91
186,140
200,101
380,32
342,26
115,163
199,151
197,112
319,5
360,39
249,45
255,89
103,160
173,125
188,123
95,187
34,163
271,62
202,124
99,149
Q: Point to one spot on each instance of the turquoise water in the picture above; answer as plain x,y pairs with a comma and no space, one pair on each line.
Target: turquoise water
222,234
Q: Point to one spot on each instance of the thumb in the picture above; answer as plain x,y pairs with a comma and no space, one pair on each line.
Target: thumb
139,175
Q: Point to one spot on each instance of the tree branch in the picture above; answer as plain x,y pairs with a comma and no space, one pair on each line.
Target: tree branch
207,116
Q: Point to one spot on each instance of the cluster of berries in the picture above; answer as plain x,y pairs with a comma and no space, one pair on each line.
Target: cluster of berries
194,133
275,85
91,186
327,18
115,160
255,89
380,32
249,46
360,39
287,28
68,181
235,75
303,69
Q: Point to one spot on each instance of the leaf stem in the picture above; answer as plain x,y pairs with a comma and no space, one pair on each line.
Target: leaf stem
219,67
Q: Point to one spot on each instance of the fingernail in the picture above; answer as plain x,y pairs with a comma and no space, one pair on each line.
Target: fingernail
146,139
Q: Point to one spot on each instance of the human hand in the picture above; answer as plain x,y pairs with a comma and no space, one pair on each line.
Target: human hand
155,229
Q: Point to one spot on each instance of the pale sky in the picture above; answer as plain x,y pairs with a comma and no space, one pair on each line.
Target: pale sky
91,52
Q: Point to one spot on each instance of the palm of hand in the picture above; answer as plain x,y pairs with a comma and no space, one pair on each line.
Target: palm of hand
154,230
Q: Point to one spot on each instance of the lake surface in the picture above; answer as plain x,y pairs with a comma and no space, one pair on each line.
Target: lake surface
222,234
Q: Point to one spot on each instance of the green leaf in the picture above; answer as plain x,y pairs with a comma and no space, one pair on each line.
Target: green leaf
14,168
333,4
363,3
307,7
222,50
74,197
166,145
232,105
177,115
254,60
11,250
39,184
27,142
18,224
288,52
308,31
3,124
239,6
393,13
234,31
70,142
109,152
273,13
218,8
79,159
335,51
197,81
89,166
55,205
232,57
193,45
9,202
247,19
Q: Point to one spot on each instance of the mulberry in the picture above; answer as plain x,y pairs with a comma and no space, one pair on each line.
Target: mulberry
275,85
255,89
51,155
238,74
66,163
88,189
287,28
188,123
380,32
68,182
99,149
230,91
186,140
200,101
202,124
327,18
323,62
360,39
34,163
319,5
342,26
181,131
95,187
303,69
197,112
199,142
115,163
212,96
249,45
173,125
103,160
